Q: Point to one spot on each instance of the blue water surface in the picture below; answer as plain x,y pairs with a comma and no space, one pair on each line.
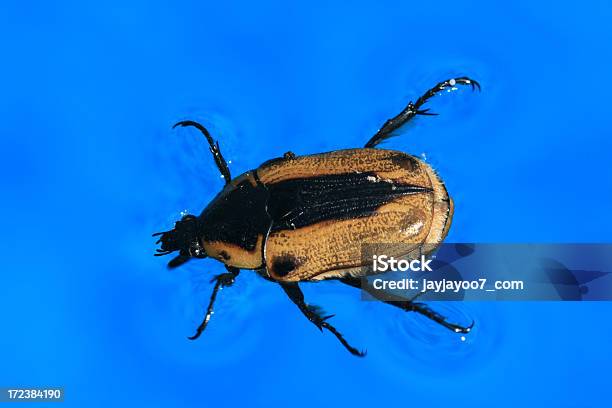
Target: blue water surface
90,168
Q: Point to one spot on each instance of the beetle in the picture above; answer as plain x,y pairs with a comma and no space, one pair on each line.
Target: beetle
304,218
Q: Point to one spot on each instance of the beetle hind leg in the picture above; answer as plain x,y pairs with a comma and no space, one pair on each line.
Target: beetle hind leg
315,315
413,109
411,306
426,311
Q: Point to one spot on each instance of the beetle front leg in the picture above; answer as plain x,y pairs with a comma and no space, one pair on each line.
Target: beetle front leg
221,281
315,315
213,147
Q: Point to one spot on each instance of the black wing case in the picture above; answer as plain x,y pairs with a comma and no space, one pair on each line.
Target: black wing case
300,202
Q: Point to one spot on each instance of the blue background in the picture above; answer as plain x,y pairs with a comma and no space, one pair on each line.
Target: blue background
90,168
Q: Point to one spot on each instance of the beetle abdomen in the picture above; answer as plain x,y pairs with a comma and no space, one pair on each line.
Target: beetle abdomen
324,207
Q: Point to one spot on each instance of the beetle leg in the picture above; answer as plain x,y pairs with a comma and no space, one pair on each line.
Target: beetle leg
413,109
315,315
411,306
221,281
435,316
213,146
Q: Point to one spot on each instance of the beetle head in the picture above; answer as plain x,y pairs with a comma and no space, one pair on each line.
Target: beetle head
183,238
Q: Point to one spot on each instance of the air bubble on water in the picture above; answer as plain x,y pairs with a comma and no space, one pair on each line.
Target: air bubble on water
452,82
462,338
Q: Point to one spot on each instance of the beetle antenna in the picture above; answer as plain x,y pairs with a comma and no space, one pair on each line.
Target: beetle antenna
213,146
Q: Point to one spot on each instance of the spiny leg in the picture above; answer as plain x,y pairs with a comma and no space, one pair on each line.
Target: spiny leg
315,315
221,281
214,148
413,109
426,311
410,306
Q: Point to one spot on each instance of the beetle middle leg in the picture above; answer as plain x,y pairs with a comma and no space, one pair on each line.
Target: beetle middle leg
313,313
413,109
213,146
221,281
411,306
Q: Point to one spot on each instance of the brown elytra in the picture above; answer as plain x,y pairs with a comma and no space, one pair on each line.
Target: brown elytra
332,248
